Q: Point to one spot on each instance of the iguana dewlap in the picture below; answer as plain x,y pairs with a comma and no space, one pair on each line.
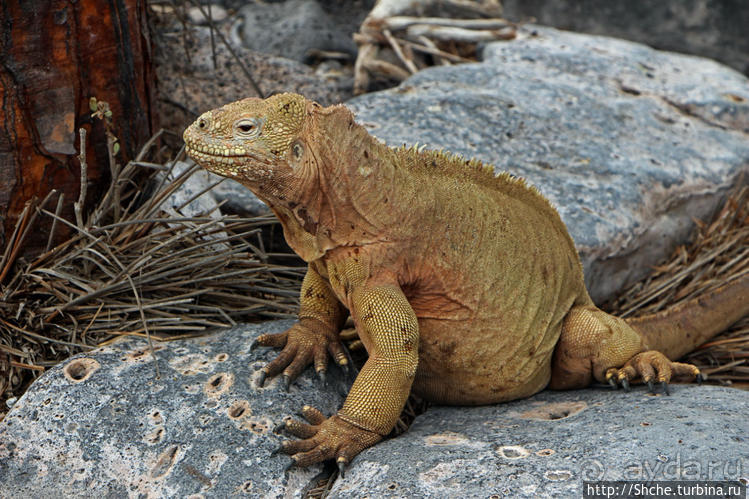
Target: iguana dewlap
464,286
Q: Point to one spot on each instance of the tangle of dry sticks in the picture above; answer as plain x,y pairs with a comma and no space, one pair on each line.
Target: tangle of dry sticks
136,269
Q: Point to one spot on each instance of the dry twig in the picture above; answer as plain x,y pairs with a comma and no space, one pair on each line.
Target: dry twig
397,28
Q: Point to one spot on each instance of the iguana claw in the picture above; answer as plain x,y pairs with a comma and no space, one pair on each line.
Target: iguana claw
261,379
341,462
302,344
322,377
664,384
649,367
292,463
322,439
277,450
613,384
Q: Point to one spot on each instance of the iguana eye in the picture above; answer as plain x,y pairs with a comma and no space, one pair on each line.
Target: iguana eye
248,127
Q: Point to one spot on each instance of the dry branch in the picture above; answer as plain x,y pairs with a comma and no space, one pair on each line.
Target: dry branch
395,29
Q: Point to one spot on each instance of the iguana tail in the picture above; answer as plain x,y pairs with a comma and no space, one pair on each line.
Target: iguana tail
681,329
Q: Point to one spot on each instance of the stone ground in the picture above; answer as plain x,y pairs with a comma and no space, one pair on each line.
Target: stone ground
104,424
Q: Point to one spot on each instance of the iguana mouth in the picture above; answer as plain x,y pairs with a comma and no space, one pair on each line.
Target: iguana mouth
203,150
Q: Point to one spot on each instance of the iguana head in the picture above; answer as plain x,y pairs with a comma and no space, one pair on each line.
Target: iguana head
252,140
293,154
328,181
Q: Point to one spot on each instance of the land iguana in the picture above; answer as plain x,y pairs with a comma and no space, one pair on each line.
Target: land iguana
464,286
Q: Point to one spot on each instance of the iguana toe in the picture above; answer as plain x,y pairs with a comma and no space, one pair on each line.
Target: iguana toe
276,340
651,367
261,379
341,462
302,344
322,439
312,415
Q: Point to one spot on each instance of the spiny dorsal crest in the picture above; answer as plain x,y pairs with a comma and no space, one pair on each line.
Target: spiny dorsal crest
450,164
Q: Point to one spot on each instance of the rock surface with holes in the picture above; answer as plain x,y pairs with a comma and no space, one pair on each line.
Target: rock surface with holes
546,445
628,142
104,421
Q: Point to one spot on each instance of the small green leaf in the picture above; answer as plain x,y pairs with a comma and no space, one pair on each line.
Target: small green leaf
92,104
116,148
108,113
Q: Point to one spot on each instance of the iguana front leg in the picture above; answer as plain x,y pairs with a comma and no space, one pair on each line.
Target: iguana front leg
321,317
388,328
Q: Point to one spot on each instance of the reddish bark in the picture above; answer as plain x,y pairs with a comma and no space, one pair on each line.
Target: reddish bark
55,55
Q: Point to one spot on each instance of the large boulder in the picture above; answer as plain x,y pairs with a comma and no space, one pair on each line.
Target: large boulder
109,421
709,28
629,143
547,445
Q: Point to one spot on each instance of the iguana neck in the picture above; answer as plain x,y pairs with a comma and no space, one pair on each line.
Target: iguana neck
345,196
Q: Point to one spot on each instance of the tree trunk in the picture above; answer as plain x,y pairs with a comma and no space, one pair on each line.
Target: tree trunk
56,55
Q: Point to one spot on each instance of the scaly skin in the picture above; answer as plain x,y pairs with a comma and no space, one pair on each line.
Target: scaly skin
464,286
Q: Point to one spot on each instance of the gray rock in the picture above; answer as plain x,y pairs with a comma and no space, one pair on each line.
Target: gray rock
628,142
709,28
545,446
292,29
187,200
216,14
203,191
104,422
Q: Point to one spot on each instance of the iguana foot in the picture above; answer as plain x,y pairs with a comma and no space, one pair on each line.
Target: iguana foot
331,438
303,343
651,367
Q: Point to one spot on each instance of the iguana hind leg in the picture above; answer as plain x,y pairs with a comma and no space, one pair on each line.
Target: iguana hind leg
597,345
